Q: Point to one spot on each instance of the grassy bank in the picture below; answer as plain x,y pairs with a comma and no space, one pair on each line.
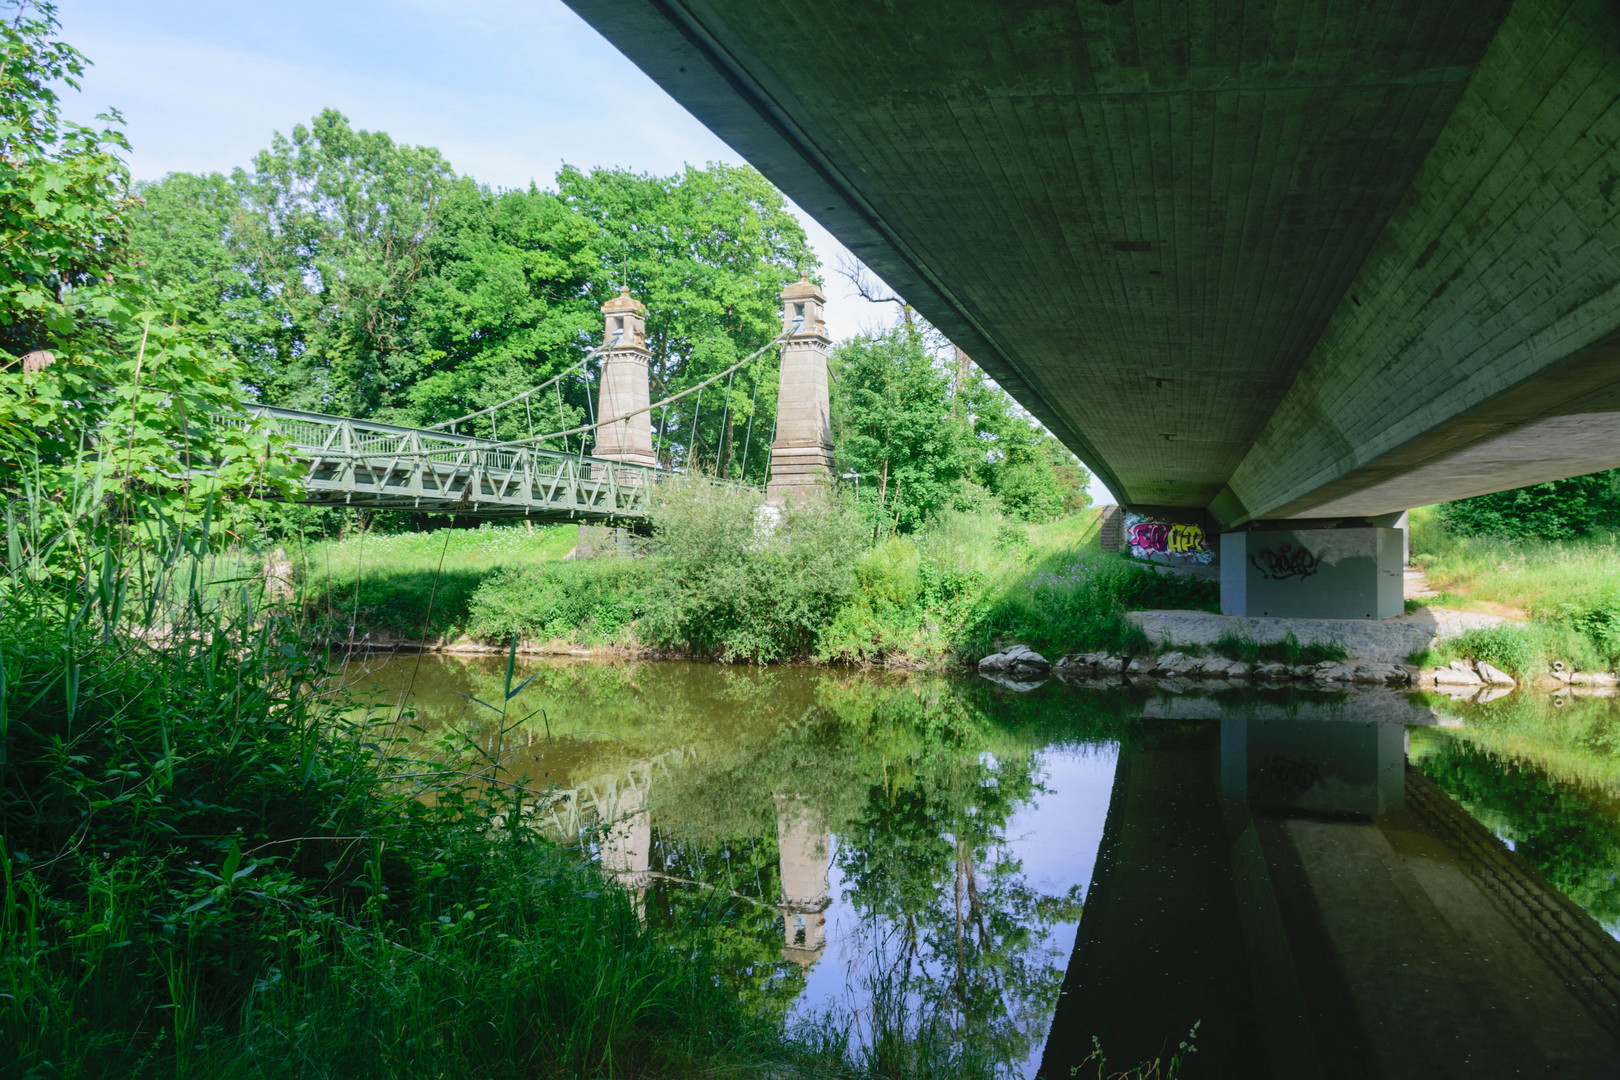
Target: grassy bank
417,584
711,587
1568,591
210,868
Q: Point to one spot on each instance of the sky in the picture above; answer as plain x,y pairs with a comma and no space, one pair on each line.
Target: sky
507,90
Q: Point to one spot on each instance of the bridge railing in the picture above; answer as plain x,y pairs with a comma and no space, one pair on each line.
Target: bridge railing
389,465
382,464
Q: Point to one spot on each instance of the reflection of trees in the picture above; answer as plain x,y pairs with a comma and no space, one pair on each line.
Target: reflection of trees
918,775
928,865
741,926
1569,834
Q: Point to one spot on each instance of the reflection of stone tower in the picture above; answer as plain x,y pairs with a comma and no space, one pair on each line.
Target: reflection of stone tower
627,845
801,456
803,845
624,384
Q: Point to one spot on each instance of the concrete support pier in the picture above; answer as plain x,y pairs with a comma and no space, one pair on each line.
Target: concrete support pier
624,384
1305,573
801,456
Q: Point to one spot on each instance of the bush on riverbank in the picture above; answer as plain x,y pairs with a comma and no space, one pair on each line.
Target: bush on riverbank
1570,590
733,579
588,602
720,580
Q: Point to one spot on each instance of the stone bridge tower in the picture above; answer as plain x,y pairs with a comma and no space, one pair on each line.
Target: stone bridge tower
801,456
624,384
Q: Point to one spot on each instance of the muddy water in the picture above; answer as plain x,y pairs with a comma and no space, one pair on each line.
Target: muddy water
1314,886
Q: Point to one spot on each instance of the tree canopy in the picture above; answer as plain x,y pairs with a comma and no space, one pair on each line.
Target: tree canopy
105,386
1556,510
359,276
913,437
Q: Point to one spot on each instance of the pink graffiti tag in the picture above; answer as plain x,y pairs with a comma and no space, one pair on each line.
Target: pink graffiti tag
1150,535
1162,538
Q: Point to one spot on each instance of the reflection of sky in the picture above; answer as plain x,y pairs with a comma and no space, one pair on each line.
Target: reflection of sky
1055,836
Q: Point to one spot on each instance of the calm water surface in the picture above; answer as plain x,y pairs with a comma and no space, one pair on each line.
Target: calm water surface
1323,886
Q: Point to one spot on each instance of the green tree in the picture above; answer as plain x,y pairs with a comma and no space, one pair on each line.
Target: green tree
122,388
707,251
892,427
1032,475
507,303
311,260
1557,510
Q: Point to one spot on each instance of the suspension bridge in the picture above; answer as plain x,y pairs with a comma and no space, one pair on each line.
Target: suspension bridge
345,461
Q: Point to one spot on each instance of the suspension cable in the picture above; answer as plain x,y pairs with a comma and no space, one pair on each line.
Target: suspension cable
519,397
695,388
691,448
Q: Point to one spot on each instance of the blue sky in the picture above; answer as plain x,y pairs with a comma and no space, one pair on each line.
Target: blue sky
508,90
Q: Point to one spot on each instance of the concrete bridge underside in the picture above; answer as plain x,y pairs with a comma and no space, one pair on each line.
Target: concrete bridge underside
1271,259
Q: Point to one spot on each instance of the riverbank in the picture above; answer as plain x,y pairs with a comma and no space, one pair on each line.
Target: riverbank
934,599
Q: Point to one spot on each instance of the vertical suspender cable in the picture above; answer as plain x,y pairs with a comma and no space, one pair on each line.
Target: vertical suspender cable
691,449
752,401
725,414
774,419
590,409
663,424
562,422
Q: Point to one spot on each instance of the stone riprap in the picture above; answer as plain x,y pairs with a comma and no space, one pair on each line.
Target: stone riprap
1182,667
1017,662
1385,641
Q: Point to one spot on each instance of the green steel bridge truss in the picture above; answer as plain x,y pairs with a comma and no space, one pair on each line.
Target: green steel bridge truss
365,463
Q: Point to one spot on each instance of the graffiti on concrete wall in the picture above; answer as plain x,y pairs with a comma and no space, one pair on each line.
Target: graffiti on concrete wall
1285,562
1147,537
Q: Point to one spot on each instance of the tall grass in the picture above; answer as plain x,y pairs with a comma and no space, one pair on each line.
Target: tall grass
381,582
1569,589
208,871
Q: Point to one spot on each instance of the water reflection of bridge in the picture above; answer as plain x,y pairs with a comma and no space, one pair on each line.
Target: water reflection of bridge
614,809
1321,909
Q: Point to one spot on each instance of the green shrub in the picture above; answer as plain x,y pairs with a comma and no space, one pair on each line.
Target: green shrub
591,601
1598,622
736,581
1510,647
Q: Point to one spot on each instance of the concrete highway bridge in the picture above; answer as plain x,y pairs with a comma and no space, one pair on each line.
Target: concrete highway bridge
1278,270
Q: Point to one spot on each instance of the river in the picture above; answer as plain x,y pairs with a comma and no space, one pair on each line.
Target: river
1309,885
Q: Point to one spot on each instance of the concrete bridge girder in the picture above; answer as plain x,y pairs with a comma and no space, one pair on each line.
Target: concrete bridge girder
1268,260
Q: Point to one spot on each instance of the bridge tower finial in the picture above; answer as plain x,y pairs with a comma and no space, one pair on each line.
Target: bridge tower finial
801,456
